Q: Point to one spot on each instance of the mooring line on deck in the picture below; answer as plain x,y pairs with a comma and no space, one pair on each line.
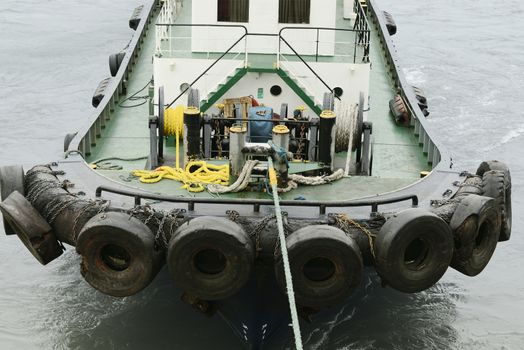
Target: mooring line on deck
285,258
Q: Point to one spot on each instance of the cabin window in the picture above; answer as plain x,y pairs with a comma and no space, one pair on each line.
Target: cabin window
294,11
233,11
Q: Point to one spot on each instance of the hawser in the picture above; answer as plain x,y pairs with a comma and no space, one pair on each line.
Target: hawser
266,155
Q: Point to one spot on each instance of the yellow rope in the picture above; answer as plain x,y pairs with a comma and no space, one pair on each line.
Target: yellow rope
194,176
174,121
196,173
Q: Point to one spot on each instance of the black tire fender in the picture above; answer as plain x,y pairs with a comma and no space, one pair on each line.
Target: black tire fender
476,228
118,254
326,265
115,60
11,179
491,184
210,257
67,140
32,229
413,250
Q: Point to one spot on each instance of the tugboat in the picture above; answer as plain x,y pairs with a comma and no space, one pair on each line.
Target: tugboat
266,152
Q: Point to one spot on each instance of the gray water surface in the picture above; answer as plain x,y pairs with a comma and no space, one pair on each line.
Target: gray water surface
467,56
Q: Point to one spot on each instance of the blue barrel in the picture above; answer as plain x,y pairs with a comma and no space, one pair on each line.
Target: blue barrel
260,131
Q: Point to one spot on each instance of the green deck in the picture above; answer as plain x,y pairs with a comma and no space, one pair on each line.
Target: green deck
397,162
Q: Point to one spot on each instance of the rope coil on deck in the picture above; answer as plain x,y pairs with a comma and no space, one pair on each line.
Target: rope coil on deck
195,175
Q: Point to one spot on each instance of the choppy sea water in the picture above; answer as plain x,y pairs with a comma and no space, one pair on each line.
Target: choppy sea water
466,55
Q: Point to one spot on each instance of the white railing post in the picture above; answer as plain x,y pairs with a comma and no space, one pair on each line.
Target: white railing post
278,52
246,53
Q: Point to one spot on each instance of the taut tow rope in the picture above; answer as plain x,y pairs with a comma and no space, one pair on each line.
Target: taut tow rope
285,258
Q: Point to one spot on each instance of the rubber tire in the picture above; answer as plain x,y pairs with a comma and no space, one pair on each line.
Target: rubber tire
330,243
207,232
161,123
193,98
357,133
492,191
67,140
131,235
397,234
11,179
115,60
479,218
32,229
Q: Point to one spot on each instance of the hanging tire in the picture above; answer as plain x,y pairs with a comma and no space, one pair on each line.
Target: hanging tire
476,228
210,257
67,140
413,250
115,60
11,179
390,23
326,266
118,254
492,185
31,228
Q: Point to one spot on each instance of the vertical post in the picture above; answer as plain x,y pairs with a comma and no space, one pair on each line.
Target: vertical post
326,142
355,49
246,54
316,53
237,140
191,134
278,51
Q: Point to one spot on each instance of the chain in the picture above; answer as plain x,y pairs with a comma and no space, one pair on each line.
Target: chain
35,190
56,206
287,231
301,140
344,223
160,234
103,205
232,215
218,138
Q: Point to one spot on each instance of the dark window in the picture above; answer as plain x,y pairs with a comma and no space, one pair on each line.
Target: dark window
294,11
233,11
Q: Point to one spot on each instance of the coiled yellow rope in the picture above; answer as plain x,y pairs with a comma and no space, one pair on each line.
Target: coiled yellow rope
174,121
195,175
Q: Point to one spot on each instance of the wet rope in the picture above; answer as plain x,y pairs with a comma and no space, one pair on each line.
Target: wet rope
316,180
285,258
240,184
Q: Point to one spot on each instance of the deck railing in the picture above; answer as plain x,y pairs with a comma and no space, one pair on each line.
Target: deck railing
283,48
87,136
426,138
362,29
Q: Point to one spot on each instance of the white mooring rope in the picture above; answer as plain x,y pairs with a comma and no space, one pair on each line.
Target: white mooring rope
285,258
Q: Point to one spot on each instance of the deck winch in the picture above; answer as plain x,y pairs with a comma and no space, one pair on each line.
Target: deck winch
244,130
